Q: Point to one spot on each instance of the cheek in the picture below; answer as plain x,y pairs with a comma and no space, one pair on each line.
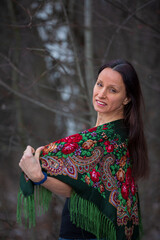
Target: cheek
116,101
93,96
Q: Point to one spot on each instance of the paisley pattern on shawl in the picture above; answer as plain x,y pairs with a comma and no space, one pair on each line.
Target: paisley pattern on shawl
97,161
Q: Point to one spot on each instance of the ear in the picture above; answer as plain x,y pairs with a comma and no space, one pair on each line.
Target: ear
126,101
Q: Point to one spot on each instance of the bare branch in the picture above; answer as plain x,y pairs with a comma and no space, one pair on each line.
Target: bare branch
74,47
125,28
137,18
34,101
120,26
62,91
12,65
41,75
45,51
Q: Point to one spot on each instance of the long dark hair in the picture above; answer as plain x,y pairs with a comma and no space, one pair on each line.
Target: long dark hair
133,116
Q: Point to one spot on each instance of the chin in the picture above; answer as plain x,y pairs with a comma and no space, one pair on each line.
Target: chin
101,111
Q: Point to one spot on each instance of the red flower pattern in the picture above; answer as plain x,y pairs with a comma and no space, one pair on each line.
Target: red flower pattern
73,138
129,184
109,148
106,143
92,129
94,175
133,188
128,177
69,148
125,191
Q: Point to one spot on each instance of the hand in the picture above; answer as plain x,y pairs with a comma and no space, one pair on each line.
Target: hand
30,164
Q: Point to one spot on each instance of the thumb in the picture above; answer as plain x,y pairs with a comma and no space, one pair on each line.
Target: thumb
37,152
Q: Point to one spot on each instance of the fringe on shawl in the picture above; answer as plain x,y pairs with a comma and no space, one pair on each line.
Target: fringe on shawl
84,213
88,217
33,205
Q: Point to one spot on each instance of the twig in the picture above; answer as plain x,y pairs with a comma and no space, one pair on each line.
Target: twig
45,51
74,47
27,11
41,75
12,65
137,18
42,105
62,91
120,26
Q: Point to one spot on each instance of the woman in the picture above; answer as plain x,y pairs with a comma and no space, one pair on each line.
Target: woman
97,169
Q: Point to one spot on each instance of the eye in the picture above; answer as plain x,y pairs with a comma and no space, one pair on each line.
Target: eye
99,84
112,90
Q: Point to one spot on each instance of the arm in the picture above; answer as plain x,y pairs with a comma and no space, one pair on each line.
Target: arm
58,187
31,167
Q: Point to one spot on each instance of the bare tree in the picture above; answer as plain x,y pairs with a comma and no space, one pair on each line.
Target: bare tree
49,55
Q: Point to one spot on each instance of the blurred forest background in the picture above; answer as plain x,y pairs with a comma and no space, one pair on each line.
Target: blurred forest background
50,52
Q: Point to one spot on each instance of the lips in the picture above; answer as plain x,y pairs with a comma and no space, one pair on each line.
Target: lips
100,103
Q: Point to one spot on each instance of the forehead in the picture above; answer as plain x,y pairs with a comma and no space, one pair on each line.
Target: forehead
111,76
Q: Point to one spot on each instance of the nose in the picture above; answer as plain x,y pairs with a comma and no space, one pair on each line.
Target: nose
102,93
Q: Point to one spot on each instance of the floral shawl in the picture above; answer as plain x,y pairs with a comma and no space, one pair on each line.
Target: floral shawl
96,164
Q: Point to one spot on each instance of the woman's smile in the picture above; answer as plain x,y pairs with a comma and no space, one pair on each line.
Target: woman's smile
100,103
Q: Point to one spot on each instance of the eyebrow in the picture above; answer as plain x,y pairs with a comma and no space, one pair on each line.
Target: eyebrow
111,85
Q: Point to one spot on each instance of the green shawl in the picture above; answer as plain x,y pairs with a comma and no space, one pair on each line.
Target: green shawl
96,164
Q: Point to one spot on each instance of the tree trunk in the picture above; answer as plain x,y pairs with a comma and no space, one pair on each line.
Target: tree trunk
88,52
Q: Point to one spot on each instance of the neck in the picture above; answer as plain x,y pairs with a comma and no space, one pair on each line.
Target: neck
102,119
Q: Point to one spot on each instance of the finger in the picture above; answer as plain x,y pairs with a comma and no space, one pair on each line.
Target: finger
29,151
33,150
21,162
38,151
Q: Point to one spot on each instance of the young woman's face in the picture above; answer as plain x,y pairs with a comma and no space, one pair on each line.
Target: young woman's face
109,93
